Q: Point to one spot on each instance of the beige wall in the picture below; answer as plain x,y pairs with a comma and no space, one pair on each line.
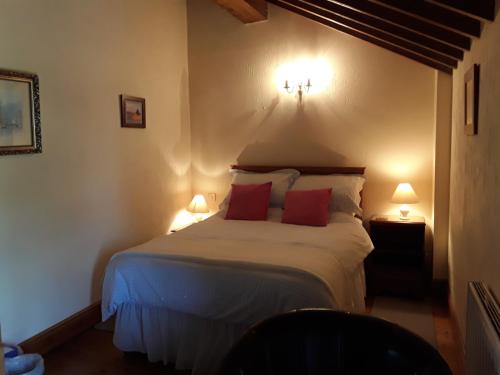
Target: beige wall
378,111
475,177
96,188
442,138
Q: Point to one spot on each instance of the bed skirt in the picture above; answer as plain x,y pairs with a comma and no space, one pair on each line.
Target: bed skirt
169,336
191,342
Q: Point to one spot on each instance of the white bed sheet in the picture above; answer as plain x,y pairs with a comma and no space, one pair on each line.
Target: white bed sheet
242,271
176,295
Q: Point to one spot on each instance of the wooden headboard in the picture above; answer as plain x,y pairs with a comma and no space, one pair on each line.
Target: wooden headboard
305,170
302,170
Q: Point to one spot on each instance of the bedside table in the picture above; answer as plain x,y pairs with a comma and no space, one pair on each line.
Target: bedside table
397,265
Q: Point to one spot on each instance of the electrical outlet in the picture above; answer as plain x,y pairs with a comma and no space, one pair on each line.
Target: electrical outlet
212,197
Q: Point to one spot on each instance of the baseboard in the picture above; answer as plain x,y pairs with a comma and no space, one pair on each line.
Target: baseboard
63,331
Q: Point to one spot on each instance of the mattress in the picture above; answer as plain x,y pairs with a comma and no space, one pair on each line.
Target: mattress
241,272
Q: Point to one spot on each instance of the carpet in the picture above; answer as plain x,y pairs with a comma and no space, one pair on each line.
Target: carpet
415,316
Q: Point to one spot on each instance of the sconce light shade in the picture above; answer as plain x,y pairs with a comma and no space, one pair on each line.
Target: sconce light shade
198,205
404,194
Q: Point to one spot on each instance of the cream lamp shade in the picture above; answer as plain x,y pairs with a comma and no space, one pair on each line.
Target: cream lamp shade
405,195
198,205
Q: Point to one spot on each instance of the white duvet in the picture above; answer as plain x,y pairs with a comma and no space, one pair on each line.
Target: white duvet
241,271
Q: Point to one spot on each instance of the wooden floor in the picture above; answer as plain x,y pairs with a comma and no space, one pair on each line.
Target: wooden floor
447,338
93,353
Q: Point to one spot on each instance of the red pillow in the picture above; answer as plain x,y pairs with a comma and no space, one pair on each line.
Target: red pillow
307,207
249,202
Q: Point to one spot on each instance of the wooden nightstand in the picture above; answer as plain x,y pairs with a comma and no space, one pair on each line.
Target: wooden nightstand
397,265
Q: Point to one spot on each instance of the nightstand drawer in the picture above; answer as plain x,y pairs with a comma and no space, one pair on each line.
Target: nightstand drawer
385,279
398,257
397,264
398,235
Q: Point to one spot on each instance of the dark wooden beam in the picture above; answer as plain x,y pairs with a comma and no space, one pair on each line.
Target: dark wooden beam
381,43
482,9
381,35
415,24
389,28
436,14
247,11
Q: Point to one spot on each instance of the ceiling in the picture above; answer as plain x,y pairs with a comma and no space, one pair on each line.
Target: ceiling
433,32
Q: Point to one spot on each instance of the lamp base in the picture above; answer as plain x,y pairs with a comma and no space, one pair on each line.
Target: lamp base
404,210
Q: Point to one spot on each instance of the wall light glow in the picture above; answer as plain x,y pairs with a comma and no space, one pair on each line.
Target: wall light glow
183,219
299,72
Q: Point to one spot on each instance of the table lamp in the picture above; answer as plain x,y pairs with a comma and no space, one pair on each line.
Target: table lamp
198,206
405,195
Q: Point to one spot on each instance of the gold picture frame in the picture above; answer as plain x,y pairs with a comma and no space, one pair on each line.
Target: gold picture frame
20,129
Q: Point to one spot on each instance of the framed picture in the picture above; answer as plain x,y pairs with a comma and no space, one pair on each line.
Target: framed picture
133,111
20,131
471,104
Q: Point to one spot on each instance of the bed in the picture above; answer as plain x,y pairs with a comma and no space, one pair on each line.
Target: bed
187,297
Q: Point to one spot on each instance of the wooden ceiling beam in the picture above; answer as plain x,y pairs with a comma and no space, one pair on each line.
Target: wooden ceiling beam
247,11
389,28
409,22
437,15
382,35
482,9
366,37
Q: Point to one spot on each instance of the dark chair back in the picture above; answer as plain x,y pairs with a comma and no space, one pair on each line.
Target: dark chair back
324,342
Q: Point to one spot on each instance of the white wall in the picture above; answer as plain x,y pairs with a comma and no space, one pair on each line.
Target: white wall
475,176
96,188
378,112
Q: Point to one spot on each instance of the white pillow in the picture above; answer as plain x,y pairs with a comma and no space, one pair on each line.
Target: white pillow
282,179
345,190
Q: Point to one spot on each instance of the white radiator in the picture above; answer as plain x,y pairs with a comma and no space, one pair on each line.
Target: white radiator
2,369
482,340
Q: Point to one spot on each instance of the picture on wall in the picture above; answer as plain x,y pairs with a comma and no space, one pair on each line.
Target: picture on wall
133,111
471,105
20,131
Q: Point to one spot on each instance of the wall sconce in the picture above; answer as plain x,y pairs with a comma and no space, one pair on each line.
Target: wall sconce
300,87
304,75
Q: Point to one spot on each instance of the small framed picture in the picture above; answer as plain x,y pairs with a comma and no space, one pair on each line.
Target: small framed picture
133,111
20,131
471,105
